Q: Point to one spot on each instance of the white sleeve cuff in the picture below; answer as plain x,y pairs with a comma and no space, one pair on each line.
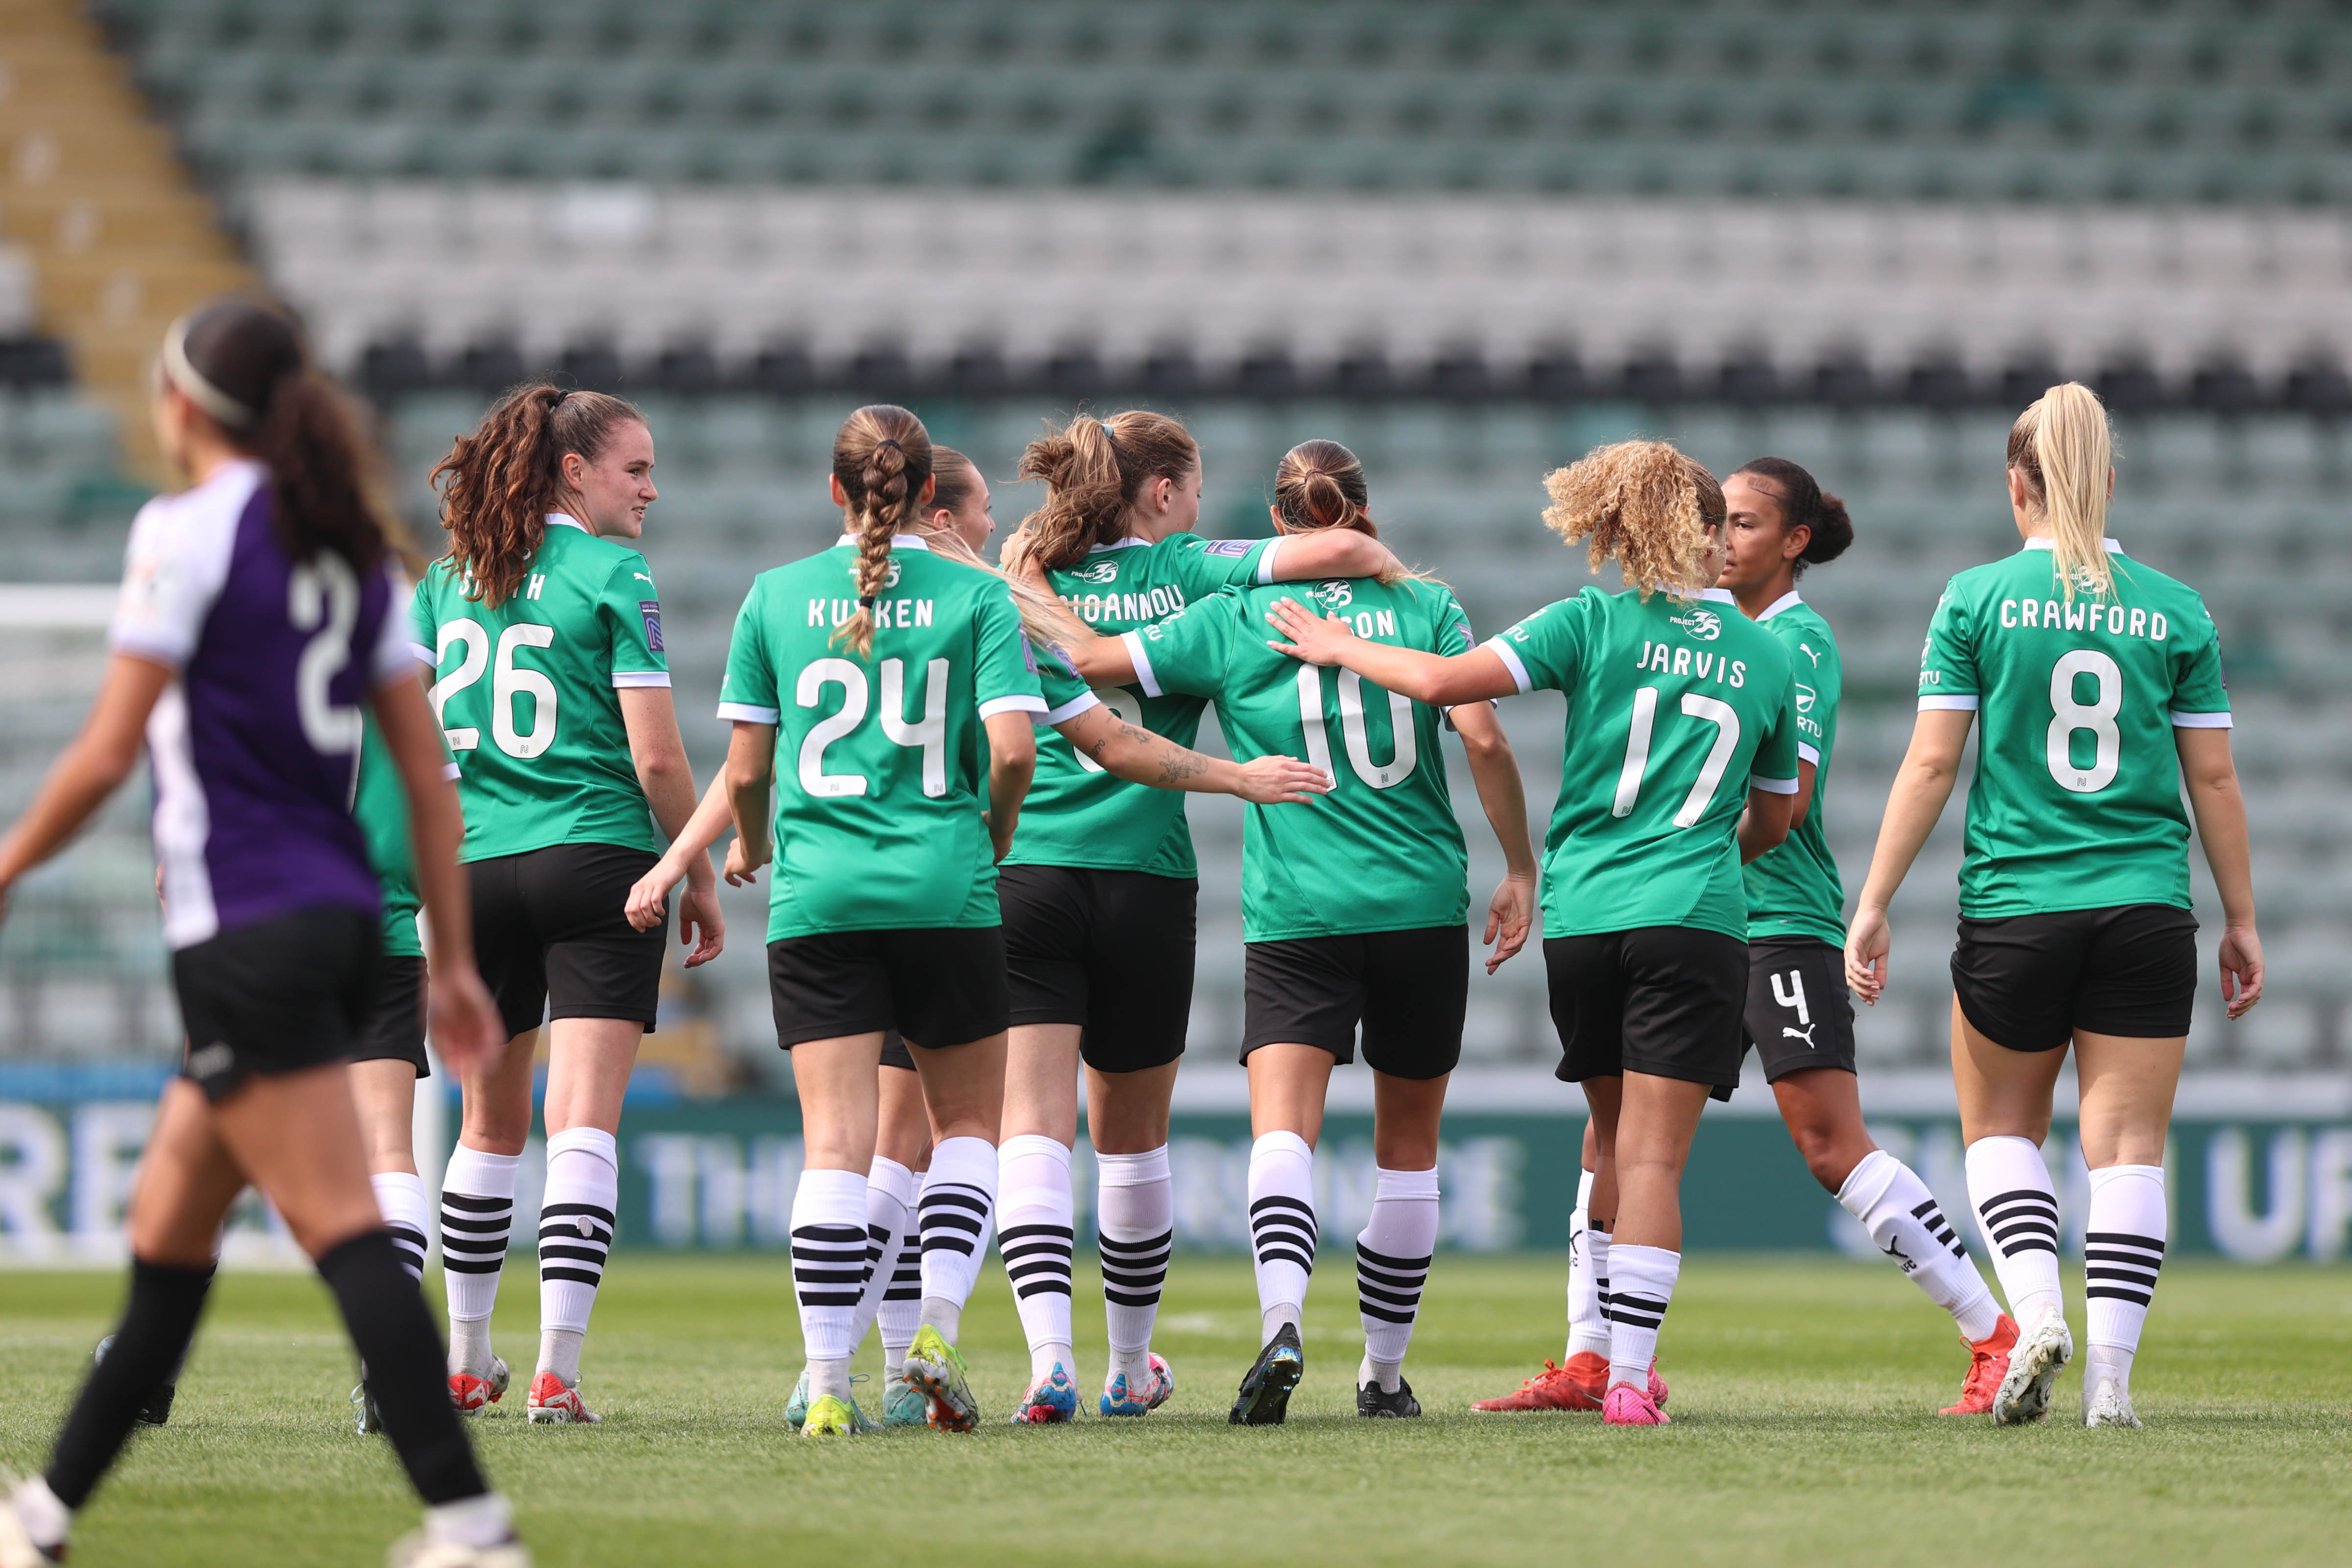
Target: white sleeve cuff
1143,676
1020,702
1510,658
750,713
156,648
452,772
423,655
1071,709
1264,565
624,680
1772,786
2201,721
1948,705
1807,754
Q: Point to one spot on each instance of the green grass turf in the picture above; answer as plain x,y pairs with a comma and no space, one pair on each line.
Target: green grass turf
1805,1433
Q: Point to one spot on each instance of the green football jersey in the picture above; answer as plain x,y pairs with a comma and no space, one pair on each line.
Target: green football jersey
881,763
1677,708
2075,803
1382,851
1077,814
380,806
528,693
1795,889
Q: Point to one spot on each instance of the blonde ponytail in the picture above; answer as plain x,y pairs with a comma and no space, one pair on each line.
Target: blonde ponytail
1045,619
2063,448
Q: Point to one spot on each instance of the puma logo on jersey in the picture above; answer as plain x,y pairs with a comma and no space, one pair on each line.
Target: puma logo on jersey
1805,1034
1807,649
641,576
1102,571
1704,624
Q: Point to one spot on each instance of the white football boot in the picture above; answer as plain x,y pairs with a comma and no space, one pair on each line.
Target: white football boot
2108,1405
2033,1366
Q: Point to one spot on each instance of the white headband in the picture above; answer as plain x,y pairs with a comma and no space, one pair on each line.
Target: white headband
191,381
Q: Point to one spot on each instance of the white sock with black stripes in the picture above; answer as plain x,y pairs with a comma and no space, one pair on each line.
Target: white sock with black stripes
477,1219
1639,1290
406,1214
1282,1228
1036,1232
2018,1209
1588,1325
1909,1225
1392,1257
575,1235
1596,1247
957,1206
829,1273
2123,1249
901,1313
1135,1202
890,1189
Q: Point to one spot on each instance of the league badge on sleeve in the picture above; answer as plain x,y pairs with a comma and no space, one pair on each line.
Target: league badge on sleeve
1228,547
651,610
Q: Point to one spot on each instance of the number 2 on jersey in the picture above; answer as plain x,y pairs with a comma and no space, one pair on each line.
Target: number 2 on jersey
1637,753
929,734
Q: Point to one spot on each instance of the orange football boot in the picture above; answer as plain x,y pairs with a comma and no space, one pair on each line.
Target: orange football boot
1988,1365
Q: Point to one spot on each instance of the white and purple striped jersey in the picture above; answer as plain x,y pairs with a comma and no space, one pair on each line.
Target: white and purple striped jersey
256,743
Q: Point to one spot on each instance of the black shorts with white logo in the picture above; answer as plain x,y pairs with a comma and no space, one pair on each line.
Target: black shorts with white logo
1661,999
277,995
1111,951
2028,981
552,939
394,1030
937,987
1408,990
1799,1014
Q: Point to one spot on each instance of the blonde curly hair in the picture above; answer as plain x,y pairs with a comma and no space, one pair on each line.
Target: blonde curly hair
1642,505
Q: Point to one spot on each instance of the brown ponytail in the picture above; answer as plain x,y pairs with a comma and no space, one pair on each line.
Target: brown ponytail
243,365
1093,470
1642,505
503,480
1320,485
882,458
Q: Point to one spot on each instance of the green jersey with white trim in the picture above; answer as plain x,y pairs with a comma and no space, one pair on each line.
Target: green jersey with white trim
2075,803
1677,708
1382,852
1794,888
880,762
528,693
1077,814
380,807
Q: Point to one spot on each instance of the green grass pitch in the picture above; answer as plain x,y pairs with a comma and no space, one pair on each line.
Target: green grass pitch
1805,1433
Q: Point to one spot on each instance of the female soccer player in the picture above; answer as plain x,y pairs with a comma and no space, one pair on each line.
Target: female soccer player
553,690
2099,680
866,684
258,626
1099,895
904,1133
1352,913
1799,1016
1671,693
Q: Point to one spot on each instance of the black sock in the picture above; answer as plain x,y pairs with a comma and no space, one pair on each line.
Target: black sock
406,1371
149,1344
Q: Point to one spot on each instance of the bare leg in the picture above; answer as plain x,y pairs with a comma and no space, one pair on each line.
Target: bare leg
1822,1109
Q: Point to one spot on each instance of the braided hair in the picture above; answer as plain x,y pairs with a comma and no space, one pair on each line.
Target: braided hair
882,459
